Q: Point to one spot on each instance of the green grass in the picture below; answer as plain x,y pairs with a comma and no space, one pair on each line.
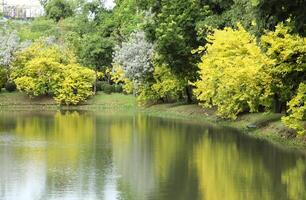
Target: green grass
266,125
20,101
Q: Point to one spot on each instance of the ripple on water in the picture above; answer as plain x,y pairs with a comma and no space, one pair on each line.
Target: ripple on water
6,138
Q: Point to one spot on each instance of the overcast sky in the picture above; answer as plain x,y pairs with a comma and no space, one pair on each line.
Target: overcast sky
109,3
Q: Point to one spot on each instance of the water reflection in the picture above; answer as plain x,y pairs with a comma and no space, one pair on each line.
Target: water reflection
74,155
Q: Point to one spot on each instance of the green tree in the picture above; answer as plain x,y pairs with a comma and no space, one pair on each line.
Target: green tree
272,12
58,9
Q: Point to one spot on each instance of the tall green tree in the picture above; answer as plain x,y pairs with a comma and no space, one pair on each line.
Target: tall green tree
271,12
171,25
58,9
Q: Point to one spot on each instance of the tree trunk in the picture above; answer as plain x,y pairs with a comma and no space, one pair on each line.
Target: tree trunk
96,79
189,94
277,104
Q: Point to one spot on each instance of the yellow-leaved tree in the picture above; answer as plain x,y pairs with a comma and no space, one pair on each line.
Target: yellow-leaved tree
297,109
49,69
289,69
233,73
289,74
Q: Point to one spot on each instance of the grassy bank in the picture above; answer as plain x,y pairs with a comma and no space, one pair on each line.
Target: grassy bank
266,126
261,125
20,101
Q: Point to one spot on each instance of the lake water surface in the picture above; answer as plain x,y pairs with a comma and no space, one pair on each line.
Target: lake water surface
84,156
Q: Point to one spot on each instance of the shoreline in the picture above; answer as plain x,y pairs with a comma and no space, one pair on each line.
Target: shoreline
266,126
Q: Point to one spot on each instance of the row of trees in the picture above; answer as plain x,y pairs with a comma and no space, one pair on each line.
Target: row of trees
238,74
152,47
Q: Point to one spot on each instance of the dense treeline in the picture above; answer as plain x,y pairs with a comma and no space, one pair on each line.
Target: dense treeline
235,55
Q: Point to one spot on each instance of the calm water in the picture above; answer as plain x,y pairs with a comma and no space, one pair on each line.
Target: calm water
131,156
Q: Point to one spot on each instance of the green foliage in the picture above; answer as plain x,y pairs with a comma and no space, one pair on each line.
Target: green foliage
96,51
10,86
233,74
289,52
90,38
108,89
127,18
297,110
39,27
118,88
99,85
102,85
44,69
173,28
3,77
272,12
58,9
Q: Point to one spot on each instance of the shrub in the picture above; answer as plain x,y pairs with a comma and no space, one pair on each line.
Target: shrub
99,85
128,87
167,85
118,88
297,110
147,95
44,69
108,89
76,86
164,86
233,74
118,76
103,85
10,86
289,52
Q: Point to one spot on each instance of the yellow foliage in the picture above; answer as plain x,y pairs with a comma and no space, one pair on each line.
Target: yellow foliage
233,73
76,85
289,52
297,110
293,179
52,70
118,76
165,86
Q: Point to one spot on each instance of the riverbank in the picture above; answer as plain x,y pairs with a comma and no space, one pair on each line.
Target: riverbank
260,125
267,126
19,101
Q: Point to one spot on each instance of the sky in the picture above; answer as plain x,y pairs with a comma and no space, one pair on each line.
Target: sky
108,3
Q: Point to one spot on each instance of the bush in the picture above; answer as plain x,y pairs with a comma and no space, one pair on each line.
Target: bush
10,86
233,74
167,85
76,86
118,88
44,69
289,52
99,85
297,110
103,85
118,76
108,89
